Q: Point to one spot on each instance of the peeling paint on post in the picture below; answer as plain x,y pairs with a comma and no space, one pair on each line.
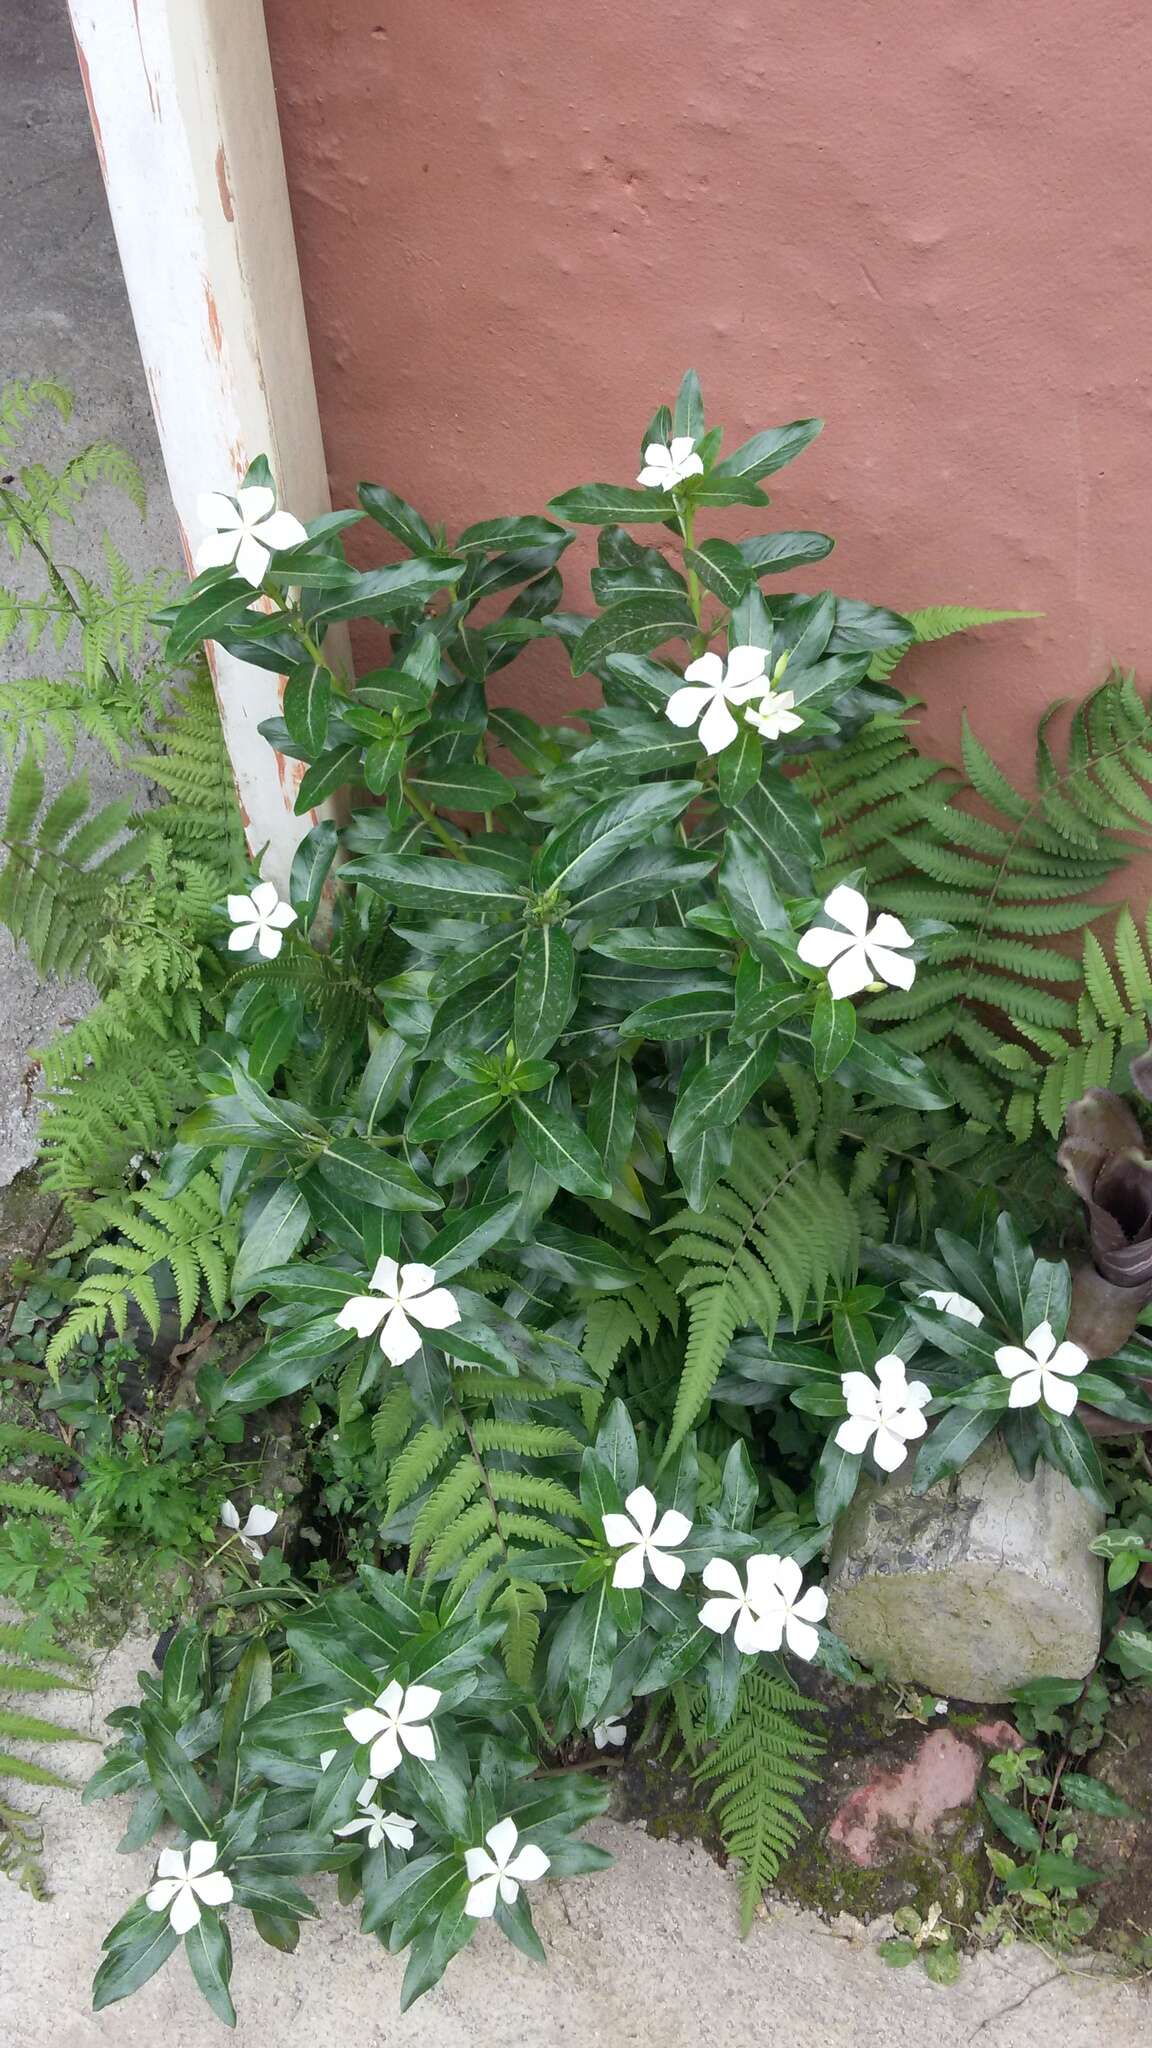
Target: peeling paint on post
184,114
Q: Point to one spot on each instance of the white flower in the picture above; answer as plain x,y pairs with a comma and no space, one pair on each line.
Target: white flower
740,1602
957,1305
855,957
403,1297
888,1409
939,1706
182,1882
783,1611
249,531
646,1541
1042,1370
378,1825
397,1718
774,715
664,468
260,1522
501,1872
711,687
609,1734
260,920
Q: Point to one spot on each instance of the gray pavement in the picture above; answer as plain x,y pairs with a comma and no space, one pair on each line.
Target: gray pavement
645,1955
63,314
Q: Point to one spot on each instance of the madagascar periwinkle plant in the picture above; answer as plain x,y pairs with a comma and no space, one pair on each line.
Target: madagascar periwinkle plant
555,1141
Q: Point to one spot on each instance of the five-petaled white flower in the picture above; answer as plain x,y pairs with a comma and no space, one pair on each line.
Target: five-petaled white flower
711,687
249,531
609,1734
260,1522
666,467
957,1305
742,1602
259,920
183,1882
498,1872
784,1611
403,1296
646,1542
854,956
774,715
1042,1371
886,1412
397,1721
379,1826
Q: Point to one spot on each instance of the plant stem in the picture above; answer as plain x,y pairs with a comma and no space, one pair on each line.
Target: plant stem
426,812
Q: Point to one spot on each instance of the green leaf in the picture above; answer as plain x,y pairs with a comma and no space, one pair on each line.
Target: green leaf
1071,1448
307,698
184,1794
208,1948
465,786
956,1437
1013,1259
746,885
401,520
722,569
1049,1297
1131,1649
775,553
577,852
490,535
591,1648
633,626
612,1115
544,983
686,1016
833,1031
453,1110
202,616
292,1361
768,451
688,411
611,505
719,1088
1014,1825
740,768
382,1082
837,1476
556,1142
783,829
311,864
381,593
333,770
125,1968
418,883
281,1227
358,1168
1089,1795
467,1234
251,1689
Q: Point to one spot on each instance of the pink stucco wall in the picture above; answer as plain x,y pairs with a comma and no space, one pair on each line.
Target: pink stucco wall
519,222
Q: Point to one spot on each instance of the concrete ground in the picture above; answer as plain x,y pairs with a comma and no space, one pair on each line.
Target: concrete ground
646,1955
63,314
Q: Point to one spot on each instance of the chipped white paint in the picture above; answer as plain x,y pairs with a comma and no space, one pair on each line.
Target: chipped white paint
184,114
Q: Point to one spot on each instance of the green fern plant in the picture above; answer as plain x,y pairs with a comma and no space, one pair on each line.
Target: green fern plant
482,1489
129,1238
938,622
779,1230
988,1007
32,1665
117,681
758,1769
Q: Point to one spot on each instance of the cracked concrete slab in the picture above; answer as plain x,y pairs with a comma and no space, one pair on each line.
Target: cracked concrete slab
63,314
646,1955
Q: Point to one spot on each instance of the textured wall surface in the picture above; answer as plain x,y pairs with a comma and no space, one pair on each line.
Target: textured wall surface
519,223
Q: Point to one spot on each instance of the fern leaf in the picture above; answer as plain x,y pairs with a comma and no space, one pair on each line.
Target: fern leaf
759,1769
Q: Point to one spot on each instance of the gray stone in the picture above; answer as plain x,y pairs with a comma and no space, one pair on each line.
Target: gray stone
975,1586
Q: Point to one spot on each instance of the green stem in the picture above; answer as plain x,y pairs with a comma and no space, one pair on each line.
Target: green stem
687,518
56,580
426,812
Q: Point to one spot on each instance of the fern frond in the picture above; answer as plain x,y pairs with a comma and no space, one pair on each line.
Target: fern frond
759,1769
778,1229
938,622
181,1235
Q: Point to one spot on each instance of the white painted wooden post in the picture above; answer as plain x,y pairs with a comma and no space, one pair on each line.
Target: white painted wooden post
184,115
